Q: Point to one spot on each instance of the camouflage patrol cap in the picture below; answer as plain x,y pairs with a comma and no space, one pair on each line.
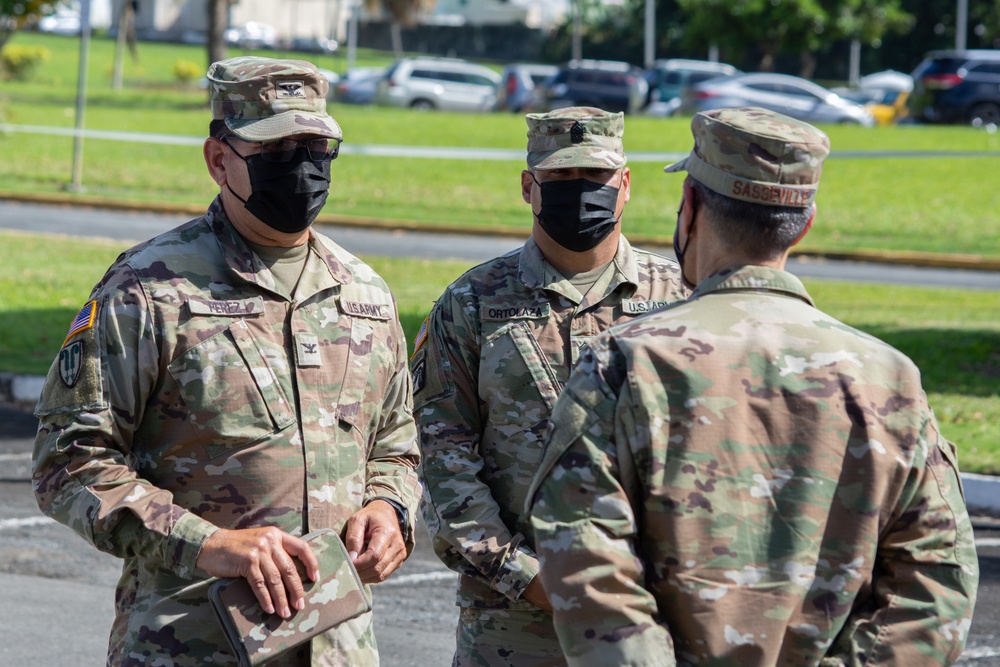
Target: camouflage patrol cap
264,98
575,137
756,155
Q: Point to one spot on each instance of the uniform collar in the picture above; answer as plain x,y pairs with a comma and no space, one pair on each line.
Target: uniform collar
322,271
535,273
753,278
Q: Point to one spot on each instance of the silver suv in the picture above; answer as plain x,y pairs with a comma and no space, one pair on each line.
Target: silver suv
448,84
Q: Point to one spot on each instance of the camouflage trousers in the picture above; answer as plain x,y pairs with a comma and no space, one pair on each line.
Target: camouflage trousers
507,638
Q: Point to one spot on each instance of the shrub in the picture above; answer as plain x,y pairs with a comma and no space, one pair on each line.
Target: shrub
17,62
185,71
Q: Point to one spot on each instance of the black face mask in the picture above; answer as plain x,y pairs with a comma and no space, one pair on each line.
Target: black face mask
286,196
577,214
678,251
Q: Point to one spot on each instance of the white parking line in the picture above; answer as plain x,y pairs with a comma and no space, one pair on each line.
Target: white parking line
979,653
988,542
26,522
420,578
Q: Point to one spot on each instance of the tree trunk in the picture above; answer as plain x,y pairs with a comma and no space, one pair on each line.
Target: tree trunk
396,31
807,64
126,19
218,22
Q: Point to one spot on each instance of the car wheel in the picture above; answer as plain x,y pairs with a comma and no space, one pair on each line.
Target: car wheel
422,105
985,114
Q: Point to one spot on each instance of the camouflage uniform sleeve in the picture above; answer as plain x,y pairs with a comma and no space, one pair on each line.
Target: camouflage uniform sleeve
84,460
393,458
462,516
927,572
584,499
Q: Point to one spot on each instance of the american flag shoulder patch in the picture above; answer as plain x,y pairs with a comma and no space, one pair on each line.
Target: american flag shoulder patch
421,336
83,321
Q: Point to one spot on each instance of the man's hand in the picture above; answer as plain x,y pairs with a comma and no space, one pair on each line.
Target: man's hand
262,556
535,594
374,542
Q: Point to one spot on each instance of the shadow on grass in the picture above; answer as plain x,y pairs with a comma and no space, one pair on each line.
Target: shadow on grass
30,339
955,361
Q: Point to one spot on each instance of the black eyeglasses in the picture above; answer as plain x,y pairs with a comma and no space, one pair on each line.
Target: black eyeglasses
283,150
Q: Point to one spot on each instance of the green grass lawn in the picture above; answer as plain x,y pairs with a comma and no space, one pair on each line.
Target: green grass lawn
944,204
952,335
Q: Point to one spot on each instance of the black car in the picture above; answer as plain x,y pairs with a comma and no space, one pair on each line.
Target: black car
606,84
957,87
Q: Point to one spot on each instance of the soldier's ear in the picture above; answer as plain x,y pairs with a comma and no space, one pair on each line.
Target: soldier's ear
526,182
805,230
214,151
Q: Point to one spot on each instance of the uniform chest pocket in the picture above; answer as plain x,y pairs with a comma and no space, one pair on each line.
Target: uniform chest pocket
231,393
516,379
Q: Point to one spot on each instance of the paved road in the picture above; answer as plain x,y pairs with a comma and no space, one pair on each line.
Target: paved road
75,221
58,591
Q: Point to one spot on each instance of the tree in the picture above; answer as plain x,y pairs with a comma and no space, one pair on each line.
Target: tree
15,14
617,32
401,13
767,26
218,22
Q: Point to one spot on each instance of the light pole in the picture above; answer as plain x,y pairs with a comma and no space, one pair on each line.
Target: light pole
577,29
961,24
81,97
650,33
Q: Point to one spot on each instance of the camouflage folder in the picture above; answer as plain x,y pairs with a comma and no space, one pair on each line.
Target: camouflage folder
257,637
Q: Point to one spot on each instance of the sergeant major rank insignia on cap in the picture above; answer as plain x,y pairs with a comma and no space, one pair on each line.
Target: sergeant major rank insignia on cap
576,133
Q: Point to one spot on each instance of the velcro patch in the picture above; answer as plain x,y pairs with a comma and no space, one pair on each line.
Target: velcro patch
640,307
504,312
233,308
71,362
419,374
375,311
83,321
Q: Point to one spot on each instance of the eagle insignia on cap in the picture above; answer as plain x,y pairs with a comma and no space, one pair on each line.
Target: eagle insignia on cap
291,89
576,133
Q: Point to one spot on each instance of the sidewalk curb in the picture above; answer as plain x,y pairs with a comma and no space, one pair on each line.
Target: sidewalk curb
896,257
982,492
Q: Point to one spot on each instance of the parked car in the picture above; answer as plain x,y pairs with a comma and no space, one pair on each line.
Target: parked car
957,87
607,84
884,94
313,45
448,84
669,78
358,85
790,95
63,22
252,35
518,82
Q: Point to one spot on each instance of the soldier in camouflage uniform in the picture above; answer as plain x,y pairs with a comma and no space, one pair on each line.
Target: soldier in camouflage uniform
493,357
740,479
232,384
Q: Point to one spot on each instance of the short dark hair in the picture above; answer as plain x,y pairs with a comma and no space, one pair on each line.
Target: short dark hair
758,231
217,129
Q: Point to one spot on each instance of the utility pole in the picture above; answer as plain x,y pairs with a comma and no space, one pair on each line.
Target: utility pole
650,33
961,24
81,97
577,53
